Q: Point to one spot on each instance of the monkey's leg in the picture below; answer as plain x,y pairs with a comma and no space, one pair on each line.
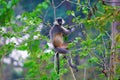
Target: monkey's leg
69,59
61,50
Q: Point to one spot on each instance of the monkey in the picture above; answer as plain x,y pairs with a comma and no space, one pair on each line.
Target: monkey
57,33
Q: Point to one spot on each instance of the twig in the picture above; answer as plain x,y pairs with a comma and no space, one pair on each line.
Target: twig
60,4
108,35
90,8
54,9
45,23
77,4
104,46
28,79
74,78
92,53
74,3
108,1
82,49
45,14
101,13
85,73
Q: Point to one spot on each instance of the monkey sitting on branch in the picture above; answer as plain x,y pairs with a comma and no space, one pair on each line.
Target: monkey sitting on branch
57,33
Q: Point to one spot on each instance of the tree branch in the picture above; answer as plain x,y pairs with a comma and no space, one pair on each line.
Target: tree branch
60,4
53,4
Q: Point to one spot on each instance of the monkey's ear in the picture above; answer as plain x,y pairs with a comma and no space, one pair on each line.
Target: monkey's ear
55,22
63,21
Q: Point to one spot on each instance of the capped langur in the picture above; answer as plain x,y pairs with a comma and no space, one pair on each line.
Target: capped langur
56,35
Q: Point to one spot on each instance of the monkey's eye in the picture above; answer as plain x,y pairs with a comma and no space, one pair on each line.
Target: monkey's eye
60,20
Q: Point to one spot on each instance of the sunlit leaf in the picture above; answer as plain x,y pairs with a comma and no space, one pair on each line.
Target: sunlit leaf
93,60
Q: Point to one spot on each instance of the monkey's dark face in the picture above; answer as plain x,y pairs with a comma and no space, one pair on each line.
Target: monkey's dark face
59,21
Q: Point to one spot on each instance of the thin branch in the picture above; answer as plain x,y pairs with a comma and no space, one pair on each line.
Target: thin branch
85,73
60,4
74,3
108,35
45,14
100,62
104,46
109,1
82,49
53,4
101,13
92,53
74,78
77,4
90,8
28,79
45,23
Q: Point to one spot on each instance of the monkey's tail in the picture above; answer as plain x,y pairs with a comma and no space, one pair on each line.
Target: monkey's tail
58,63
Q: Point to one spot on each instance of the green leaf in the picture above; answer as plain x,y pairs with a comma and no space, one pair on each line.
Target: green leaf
9,5
85,10
83,54
68,12
74,19
14,2
73,13
45,5
8,35
93,60
100,7
29,63
34,45
22,47
71,45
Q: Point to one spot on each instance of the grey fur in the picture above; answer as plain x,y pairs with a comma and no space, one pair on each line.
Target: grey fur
58,28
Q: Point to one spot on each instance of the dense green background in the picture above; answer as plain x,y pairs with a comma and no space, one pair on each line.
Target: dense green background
90,42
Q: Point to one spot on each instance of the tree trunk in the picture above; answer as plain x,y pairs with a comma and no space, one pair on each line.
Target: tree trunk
114,58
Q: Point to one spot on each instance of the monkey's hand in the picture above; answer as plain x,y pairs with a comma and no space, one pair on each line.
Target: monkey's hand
71,29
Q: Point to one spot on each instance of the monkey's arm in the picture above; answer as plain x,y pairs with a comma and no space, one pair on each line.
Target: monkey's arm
65,31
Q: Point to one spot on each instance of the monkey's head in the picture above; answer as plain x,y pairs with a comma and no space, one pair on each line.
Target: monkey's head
59,21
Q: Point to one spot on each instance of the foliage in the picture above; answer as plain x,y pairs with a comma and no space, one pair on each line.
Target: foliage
93,47
6,11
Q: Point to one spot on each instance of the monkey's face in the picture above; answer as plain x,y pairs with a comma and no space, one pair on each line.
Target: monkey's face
59,21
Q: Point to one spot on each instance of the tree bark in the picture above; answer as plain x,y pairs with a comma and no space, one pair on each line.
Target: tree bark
114,57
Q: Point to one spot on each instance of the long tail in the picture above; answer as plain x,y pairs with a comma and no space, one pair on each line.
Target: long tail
58,63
